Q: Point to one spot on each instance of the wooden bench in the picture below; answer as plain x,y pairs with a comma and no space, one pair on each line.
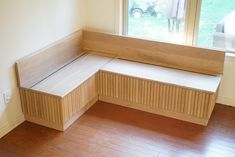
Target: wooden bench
59,83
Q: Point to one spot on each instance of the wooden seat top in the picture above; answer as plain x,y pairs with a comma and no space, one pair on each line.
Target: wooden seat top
172,76
71,76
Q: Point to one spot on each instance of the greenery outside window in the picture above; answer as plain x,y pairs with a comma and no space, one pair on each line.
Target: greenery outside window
205,23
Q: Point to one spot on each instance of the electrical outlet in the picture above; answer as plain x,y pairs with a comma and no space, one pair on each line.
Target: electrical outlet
7,96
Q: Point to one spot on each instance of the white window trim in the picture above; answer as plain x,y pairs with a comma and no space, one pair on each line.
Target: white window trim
119,16
192,21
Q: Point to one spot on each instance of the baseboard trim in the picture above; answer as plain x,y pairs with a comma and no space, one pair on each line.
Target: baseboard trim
161,112
61,127
7,127
226,101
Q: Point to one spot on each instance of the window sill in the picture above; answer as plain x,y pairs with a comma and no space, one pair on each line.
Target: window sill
230,56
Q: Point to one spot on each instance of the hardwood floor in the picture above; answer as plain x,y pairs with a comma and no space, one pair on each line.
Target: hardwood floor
113,131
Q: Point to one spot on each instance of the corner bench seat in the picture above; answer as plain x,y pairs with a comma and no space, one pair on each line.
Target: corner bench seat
74,88
60,82
72,75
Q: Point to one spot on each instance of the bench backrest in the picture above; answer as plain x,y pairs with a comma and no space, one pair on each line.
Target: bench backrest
182,57
36,67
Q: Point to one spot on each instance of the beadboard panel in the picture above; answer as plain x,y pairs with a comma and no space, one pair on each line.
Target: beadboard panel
59,112
41,105
151,96
79,98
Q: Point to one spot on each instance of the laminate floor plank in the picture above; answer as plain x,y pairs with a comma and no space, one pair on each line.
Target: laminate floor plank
108,130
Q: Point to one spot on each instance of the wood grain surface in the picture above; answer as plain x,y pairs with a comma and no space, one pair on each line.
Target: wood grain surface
58,112
72,76
169,76
39,65
110,130
156,97
183,57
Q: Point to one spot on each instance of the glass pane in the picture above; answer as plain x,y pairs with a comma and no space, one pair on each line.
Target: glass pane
157,19
217,24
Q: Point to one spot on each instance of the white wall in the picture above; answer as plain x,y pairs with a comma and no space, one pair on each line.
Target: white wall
105,18
103,15
26,26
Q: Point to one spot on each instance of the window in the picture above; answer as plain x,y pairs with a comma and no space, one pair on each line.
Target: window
156,19
217,24
206,23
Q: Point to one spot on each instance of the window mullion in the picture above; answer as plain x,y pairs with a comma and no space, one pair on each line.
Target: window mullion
125,17
192,21
197,20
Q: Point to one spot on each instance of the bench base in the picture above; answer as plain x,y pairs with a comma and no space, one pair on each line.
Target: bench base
155,97
61,127
58,112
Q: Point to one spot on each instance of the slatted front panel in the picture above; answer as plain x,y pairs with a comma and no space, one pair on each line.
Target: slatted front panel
57,112
79,98
41,106
151,95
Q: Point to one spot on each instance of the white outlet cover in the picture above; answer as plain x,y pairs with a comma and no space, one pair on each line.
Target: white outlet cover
7,96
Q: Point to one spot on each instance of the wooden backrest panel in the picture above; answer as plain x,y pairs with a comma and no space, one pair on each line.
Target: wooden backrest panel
36,67
182,57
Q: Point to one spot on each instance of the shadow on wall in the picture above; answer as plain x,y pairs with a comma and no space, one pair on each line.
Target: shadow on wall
10,114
